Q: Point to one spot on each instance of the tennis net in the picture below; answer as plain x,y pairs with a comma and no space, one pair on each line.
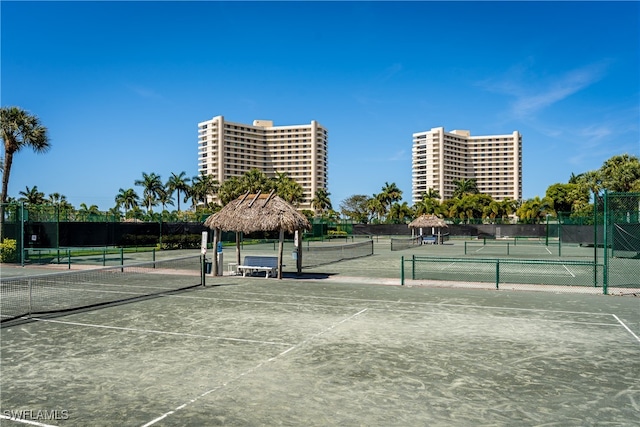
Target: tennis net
26,296
322,255
398,244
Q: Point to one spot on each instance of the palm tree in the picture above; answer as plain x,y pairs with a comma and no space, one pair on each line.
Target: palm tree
202,187
56,198
534,210
32,196
178,183
465,186
400,213
165,199
431,194
63,207
19,129
321,201
229,190
153,187
376,207
288,189
429,204
390,194
128,199
88,212
115,213
254,180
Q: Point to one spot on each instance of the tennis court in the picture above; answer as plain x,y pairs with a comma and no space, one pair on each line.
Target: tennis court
328,348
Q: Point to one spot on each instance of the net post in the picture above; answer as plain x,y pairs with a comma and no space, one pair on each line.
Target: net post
497,274
104,256
402,270
605,243
203,260
413,267
68,259
30,299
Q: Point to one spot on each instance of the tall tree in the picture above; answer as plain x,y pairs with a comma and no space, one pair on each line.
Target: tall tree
430,203
88,213
202,187
255,180
229,190
565,196
165,198
355,208
620,173
400,213
178,183
153,187
321,200
63,207
288,189
535,210
464,187
19,129
431,194
390,194
32,196
128,199
376,207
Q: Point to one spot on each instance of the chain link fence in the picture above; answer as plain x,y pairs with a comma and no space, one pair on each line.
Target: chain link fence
620,213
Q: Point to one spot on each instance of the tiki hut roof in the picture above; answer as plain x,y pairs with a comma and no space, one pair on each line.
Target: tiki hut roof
425,221
258,212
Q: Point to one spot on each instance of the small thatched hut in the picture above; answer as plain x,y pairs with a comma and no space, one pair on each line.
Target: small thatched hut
429,221
259,212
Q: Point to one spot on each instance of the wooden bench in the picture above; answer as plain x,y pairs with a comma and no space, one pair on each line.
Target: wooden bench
255,264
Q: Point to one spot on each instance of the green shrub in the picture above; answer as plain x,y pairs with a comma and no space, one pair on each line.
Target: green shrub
181,241
8,251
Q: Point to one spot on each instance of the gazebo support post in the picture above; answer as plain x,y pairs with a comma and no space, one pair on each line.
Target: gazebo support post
280,250
214,258
299,251
238,247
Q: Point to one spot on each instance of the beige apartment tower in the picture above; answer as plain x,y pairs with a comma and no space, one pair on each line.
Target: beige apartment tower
439,158
227,149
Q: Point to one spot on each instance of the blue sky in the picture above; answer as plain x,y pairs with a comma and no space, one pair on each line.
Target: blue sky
121,86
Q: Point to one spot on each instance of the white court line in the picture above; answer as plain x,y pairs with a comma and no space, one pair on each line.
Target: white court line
150,331
448,266
255,368
23,421
626,327
566,268
294,296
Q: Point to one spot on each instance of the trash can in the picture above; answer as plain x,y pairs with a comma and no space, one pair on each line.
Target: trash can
208,265
220,263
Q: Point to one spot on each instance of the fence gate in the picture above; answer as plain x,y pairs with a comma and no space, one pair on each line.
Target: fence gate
621,239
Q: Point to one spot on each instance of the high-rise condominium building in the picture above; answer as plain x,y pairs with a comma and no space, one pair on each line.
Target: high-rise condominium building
440,158
227,149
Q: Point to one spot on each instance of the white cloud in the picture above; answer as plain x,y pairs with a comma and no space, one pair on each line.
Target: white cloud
145,92
533,93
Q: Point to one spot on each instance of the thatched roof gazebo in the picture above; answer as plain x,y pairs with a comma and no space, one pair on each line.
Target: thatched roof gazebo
259,212
429,221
